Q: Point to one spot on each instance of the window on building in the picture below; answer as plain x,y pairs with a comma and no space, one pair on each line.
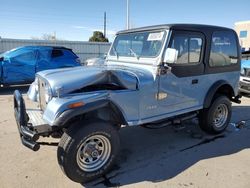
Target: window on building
223,49
243,34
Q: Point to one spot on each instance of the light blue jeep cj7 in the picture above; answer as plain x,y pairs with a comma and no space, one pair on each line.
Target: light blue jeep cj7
153,76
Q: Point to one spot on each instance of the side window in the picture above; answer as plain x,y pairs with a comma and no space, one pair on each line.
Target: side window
223,49
44,55
189,48
26,57
56,53
69,53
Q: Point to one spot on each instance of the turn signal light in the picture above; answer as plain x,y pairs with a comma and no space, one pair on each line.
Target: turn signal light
75,105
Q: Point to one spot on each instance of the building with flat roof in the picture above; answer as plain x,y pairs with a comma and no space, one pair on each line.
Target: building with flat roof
242,28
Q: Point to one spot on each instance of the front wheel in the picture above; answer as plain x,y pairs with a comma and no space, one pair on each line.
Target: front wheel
87,152
215,119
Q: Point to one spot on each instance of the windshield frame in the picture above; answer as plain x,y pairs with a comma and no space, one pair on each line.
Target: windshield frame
141,59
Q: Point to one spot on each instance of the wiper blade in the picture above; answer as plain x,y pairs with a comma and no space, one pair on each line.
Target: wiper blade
134,54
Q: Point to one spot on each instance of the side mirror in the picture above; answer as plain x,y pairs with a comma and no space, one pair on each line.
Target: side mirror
2,58
170,56
105,56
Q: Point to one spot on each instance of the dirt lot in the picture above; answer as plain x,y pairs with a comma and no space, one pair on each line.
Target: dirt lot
149,158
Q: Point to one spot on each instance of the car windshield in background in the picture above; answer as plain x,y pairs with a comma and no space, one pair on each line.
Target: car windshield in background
9,52
143,44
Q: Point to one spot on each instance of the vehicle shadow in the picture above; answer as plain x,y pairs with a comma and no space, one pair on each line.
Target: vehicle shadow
8,90
161,154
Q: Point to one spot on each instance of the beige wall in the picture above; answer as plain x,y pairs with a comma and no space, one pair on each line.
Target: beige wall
243,26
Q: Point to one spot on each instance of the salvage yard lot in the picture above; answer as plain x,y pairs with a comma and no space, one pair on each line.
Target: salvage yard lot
165,157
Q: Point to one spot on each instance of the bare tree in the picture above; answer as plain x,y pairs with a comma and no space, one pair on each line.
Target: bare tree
46,36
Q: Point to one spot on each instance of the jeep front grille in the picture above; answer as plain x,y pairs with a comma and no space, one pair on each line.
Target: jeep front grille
41,88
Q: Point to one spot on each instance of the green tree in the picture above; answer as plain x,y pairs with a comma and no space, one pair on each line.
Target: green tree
98,37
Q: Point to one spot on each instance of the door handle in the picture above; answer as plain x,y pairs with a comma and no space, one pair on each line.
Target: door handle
195,81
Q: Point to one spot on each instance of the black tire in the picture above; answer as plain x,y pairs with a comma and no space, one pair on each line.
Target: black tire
75,138
208,119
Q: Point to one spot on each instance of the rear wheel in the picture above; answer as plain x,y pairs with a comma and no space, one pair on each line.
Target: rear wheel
215,119
88,152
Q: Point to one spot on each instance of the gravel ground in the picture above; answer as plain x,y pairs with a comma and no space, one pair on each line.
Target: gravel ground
165,157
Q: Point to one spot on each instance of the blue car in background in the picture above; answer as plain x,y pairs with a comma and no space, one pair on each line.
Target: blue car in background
19,66
244,85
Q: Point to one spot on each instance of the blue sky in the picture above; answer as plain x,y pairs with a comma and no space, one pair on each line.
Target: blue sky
76,19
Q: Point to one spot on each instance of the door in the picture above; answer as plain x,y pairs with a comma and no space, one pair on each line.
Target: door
19,67
179,89
44,60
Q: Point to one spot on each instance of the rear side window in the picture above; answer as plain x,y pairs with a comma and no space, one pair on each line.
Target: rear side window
189,47
69,53
56,53
223,49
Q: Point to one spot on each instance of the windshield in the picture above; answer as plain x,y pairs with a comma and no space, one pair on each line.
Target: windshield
10,52
141,44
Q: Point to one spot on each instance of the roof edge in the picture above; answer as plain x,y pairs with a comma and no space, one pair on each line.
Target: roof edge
169,26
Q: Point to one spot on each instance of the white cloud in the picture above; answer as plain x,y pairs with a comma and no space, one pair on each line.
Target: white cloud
79,27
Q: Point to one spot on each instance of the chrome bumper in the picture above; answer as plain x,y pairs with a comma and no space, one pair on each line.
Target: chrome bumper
29,122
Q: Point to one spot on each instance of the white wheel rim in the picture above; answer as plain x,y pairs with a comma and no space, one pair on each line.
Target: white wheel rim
93,153
220,115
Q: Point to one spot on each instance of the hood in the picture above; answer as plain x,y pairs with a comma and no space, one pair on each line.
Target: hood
93,78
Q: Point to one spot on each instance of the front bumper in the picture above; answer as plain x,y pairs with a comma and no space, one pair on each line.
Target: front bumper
29,123
244,85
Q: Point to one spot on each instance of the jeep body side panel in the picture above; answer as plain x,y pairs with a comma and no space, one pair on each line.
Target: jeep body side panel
181,97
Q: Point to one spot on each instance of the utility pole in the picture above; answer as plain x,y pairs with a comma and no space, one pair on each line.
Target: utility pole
105,21
128,21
